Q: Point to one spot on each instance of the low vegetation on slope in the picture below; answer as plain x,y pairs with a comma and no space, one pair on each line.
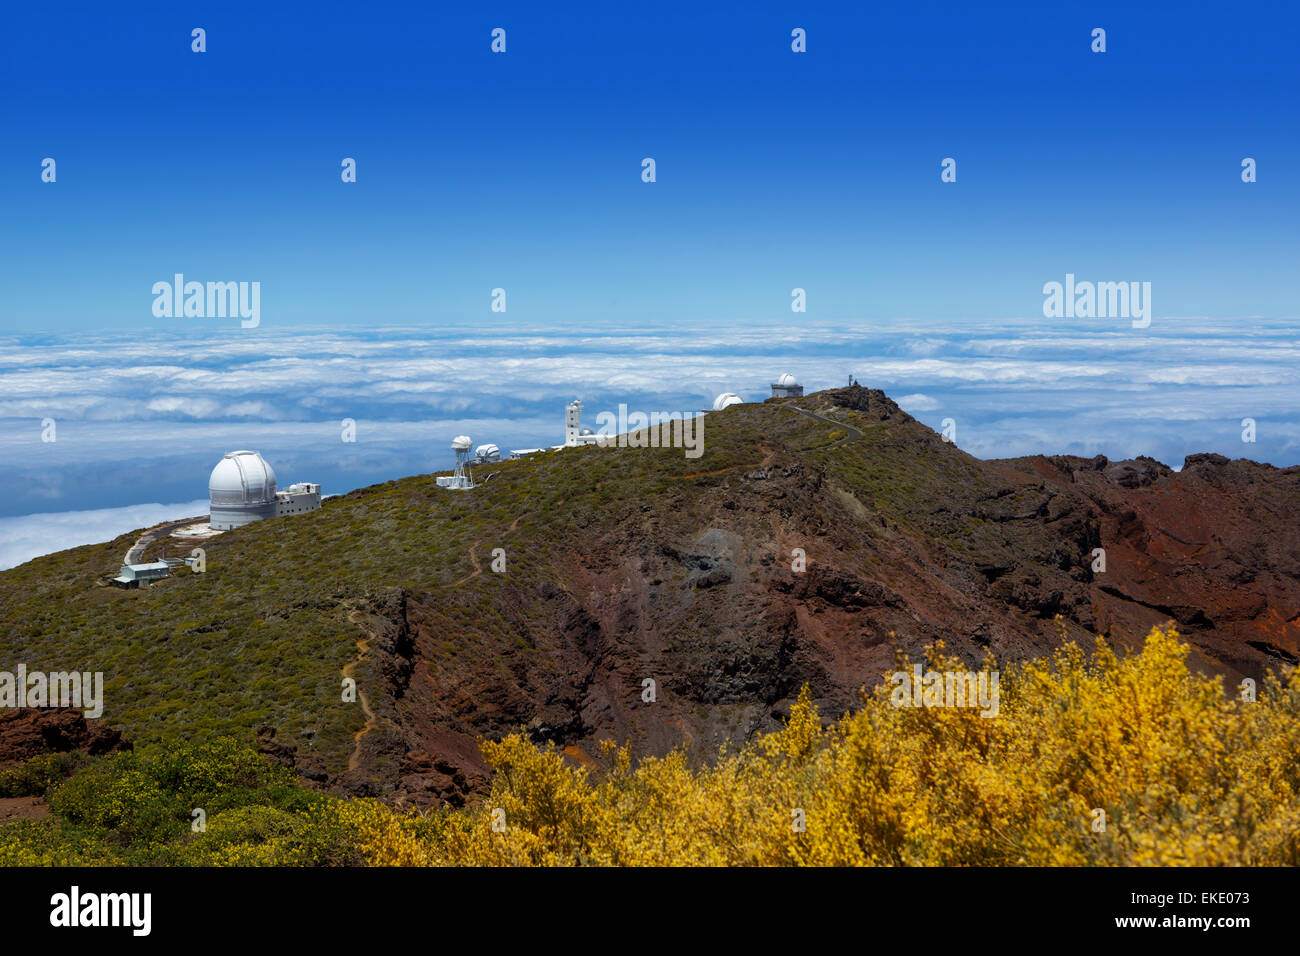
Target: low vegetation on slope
1092,760
262,637
813,540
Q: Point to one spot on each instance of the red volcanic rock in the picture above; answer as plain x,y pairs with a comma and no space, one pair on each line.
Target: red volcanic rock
27,732
1214,547
679,617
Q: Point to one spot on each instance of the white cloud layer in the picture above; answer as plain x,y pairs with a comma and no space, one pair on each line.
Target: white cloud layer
28,536
145,418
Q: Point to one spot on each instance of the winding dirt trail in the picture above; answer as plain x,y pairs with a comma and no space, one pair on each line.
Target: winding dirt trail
473,551
473,559
767,460
854,435
349,670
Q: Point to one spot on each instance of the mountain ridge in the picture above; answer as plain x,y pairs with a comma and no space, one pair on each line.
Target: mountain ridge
627,565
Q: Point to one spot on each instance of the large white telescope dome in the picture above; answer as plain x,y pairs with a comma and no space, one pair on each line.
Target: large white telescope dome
725,400
241,490
786,379
242,478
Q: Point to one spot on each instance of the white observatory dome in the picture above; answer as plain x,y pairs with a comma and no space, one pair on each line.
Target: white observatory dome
462,443
786,379
487,452
241,490
242,478
725,400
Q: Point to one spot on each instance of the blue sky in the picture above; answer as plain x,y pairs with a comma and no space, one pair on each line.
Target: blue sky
522,171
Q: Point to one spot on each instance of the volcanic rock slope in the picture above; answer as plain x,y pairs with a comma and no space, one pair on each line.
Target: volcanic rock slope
813,541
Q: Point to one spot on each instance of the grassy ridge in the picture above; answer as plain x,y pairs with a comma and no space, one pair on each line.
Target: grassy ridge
262,637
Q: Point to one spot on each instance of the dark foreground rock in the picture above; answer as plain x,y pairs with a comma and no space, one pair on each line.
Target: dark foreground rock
27,732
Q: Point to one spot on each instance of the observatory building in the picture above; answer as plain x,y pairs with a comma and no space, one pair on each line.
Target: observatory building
141,575
726,400
463,478
574,433
242,490
786,387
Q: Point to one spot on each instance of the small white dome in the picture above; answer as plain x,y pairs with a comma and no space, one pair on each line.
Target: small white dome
242,477
487,451
786,379
726,399
462,443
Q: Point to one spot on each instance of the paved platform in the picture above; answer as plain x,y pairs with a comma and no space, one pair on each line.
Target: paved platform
198,530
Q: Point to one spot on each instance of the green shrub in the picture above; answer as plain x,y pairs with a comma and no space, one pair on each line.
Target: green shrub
37,775
119,795
265,836
137,801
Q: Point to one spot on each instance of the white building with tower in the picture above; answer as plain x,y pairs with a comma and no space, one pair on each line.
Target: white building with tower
786,387
242,490
574,433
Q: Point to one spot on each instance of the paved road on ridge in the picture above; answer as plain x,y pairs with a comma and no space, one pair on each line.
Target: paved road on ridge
854,433
136,552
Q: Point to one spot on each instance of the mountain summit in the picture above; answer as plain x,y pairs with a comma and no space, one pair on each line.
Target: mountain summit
635,594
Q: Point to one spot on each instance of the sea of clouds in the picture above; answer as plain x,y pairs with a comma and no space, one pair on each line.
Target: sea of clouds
142,417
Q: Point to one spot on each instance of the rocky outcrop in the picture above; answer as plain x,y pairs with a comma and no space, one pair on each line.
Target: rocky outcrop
27,732
871,402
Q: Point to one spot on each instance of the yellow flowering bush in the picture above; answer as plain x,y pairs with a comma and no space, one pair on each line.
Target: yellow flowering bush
1091,759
